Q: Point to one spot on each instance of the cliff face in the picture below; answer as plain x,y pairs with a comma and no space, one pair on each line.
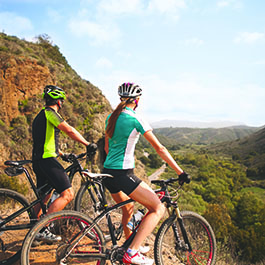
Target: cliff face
25,69
20,78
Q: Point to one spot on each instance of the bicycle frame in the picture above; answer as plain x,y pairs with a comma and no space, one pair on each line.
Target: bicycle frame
163,195
39,199
72,169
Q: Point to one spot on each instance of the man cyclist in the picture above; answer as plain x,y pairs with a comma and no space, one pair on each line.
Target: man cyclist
45,132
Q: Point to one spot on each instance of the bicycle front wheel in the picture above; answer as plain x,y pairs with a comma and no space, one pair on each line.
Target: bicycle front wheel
13,233
170,247
60,238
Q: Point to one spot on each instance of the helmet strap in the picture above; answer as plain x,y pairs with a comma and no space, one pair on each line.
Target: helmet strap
136,104
59,104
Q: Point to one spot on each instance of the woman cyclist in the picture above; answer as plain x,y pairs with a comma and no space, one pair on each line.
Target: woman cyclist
123,128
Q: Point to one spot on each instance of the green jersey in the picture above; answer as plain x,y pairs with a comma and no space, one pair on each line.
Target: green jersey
128,128
46,134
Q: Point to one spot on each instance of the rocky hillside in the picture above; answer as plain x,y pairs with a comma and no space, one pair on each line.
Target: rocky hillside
25,69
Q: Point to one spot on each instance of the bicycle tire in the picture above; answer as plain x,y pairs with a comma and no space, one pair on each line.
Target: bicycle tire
200,235
85,204
83,201
10,202
66,224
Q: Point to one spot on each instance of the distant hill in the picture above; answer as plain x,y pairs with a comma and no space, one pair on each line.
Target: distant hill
193,124
205,136
249,150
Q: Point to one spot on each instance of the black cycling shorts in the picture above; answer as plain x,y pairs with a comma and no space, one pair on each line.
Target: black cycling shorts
50,171
123,180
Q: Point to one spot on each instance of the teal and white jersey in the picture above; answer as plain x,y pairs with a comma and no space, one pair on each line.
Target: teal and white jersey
122,144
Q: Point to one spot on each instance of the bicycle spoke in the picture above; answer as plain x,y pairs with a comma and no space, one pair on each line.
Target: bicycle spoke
72,245
11,240
169,251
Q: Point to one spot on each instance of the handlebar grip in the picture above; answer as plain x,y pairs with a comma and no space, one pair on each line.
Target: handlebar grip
155,181
184,178
91,149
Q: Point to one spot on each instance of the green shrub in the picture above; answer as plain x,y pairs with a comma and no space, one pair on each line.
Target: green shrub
3,49
12,183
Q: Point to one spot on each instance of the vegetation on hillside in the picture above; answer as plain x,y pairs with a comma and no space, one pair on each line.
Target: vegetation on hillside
223,193
249,151
82,109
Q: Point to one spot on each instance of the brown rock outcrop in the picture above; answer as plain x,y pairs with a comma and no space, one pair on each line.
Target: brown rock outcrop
20,78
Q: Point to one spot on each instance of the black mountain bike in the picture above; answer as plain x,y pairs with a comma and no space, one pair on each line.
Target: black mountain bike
16,212
183,238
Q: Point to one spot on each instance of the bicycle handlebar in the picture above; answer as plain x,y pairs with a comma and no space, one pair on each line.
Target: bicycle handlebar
91,151
168,182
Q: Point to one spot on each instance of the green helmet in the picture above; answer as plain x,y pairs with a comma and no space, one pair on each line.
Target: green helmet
53,92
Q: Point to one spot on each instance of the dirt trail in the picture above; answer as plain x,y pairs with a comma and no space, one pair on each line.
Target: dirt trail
157,173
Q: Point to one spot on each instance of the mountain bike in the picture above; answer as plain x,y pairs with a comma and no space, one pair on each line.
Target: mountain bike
183,238
17,214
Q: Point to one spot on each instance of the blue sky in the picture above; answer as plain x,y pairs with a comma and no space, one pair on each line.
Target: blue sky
196,60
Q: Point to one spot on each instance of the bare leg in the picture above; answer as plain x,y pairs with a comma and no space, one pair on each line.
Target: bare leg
59,204
146,196
127,210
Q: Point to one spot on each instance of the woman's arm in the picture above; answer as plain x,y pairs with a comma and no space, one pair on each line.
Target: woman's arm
106,144
162,151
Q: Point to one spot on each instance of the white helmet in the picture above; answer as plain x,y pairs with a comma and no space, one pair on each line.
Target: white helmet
129,90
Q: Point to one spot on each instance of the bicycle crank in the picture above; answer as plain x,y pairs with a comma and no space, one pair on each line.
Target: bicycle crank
116,255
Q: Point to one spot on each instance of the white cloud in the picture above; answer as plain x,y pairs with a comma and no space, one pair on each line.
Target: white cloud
97,33
166,5
223,3
249,37
120,6
188,97
54,15
194,41
236,4
103,63
14,24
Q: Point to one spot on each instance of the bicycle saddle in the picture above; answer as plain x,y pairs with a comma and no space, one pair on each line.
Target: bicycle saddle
17,163
96,175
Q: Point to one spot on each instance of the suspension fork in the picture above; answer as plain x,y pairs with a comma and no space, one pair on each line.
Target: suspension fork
178,216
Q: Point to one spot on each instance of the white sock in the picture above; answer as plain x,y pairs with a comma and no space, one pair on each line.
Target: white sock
131,252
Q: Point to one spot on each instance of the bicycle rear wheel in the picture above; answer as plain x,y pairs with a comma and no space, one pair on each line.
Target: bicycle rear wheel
11,240
69,226
87,202
168,251
84,202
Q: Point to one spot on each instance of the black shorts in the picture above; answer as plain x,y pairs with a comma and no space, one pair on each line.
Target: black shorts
123,180
50,171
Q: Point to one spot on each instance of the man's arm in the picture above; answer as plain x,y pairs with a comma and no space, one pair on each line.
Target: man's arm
72,132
